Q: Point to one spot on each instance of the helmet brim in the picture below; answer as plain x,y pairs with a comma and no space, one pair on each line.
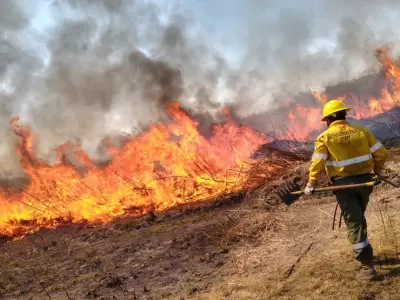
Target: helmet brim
324,118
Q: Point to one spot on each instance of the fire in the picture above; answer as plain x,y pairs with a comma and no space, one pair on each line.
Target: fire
304,122
169,164
318,96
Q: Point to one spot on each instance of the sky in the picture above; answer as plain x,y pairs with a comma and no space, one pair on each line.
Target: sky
220,29
224,22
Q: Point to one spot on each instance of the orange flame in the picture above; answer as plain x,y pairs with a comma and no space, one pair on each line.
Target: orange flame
318,96
304,121
167,165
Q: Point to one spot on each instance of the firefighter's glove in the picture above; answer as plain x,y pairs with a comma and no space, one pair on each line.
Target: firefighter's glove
309,189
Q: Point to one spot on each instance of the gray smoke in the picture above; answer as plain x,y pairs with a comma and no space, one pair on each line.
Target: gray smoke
295,45
100,68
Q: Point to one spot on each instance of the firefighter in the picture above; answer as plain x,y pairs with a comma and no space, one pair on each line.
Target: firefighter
350,155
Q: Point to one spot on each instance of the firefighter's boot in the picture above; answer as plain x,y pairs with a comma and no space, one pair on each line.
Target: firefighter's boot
366,273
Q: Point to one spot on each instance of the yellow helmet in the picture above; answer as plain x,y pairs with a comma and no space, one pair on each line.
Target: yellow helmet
332,107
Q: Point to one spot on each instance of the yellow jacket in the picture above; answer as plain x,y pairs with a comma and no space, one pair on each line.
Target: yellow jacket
346,150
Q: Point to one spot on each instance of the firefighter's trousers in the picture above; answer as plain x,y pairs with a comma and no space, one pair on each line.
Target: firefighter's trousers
353,203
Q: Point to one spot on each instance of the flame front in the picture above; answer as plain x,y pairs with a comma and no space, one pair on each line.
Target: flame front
169,164
306,120
166,166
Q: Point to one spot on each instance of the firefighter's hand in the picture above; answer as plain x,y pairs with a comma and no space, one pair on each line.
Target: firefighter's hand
309,189
375,177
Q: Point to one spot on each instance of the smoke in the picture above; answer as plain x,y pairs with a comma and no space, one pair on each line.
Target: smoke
80,70
293,46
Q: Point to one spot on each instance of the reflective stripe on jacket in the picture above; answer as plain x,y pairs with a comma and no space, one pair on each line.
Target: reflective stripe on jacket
346,150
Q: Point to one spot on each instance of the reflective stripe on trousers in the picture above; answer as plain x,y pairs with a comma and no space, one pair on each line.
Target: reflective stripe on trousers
361,245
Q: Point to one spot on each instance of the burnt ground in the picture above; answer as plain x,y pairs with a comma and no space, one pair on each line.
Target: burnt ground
247,247
147,258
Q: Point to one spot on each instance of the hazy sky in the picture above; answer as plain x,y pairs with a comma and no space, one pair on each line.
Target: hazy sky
225,22
229,23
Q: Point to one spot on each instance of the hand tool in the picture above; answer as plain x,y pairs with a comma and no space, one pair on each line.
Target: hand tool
291,190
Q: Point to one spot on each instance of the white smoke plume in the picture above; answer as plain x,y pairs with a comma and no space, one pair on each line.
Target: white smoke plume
101,67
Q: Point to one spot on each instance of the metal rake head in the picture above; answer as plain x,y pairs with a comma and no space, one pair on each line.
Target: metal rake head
289,187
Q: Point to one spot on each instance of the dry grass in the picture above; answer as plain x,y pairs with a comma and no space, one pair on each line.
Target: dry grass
271,242
326,272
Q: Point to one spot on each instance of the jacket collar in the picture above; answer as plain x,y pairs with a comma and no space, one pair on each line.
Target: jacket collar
339,122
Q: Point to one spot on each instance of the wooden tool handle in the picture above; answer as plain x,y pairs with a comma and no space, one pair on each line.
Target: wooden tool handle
389,182
339,187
